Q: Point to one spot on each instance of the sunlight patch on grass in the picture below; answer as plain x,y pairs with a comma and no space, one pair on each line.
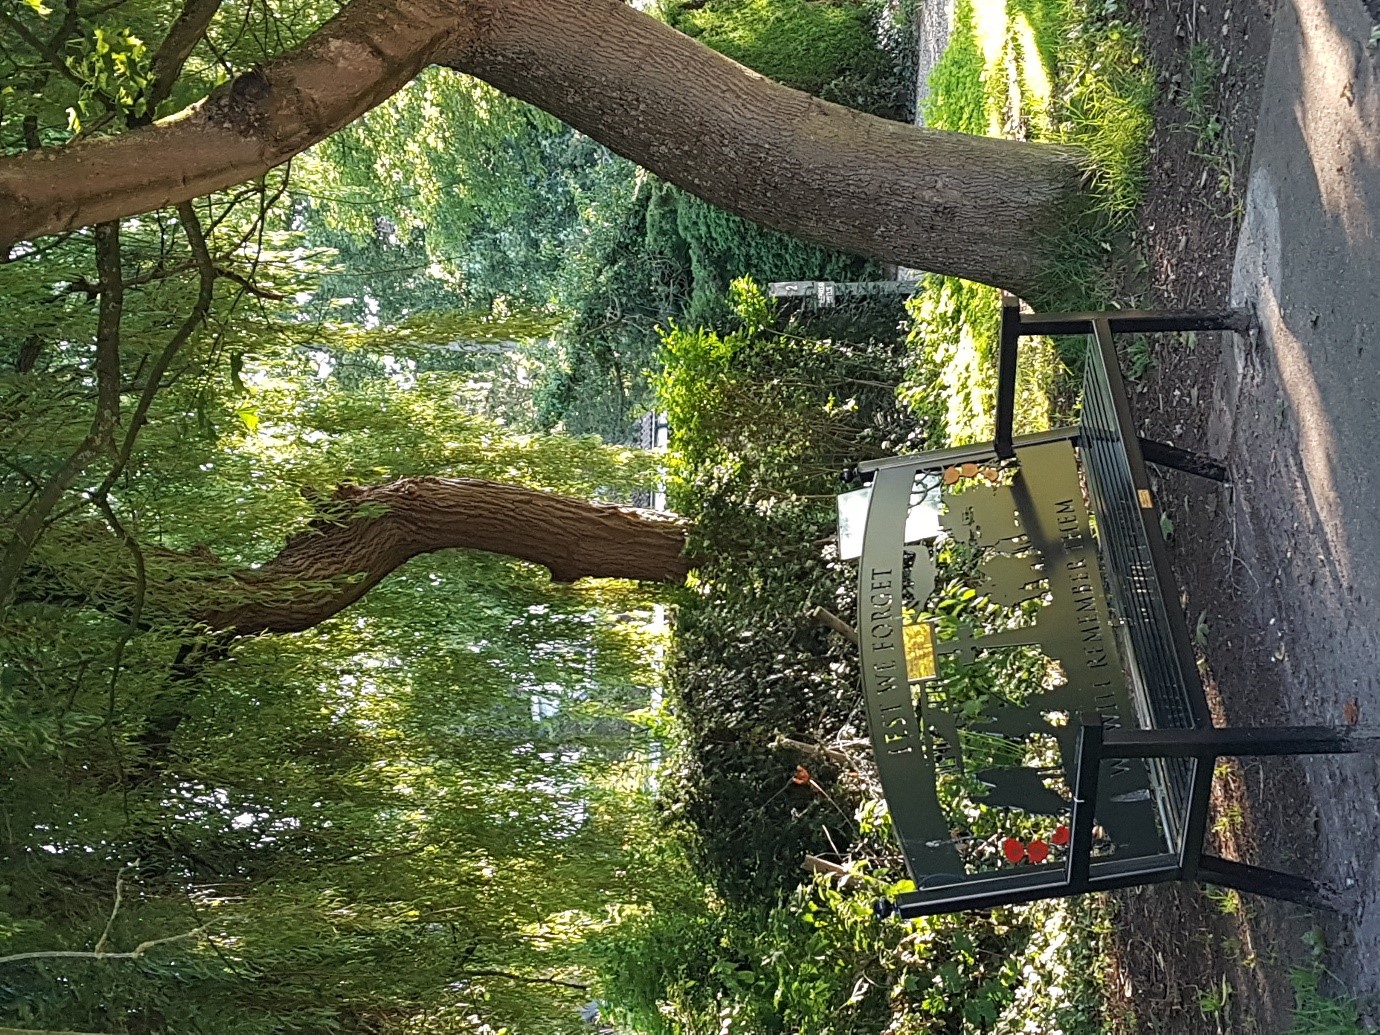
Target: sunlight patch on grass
989,22
952,376
1035,83
1066,71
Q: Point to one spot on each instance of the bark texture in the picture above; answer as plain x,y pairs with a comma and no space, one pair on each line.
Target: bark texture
253,123
975,207
970,206
365,533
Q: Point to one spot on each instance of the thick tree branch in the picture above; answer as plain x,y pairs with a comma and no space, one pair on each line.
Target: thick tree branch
371,531
975,207
257,121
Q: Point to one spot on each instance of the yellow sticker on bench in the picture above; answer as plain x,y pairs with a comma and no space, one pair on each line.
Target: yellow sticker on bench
920,659
1146,500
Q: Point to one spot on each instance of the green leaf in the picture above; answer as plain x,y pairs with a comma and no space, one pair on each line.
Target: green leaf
250,417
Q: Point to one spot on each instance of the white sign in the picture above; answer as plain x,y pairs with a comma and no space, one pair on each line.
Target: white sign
922,520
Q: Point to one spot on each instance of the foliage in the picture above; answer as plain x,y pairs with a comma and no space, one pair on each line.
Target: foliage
651,253
1066,71
407,820
821,962
762,417
668,257
951,377
1063,71
482,192
761,420
830,50
957,96
1315,1011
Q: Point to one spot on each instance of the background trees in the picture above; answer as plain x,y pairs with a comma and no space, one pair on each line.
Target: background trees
425,813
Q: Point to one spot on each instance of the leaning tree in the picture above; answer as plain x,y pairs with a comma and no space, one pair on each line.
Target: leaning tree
975,207
979,208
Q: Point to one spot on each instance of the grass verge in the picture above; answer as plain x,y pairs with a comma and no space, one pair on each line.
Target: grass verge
1063,71
1316,1012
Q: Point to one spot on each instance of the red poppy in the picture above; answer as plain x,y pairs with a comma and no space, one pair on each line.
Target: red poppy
1013,849
1037,851
1061,835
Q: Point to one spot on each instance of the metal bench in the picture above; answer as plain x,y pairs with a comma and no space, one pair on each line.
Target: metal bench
1081,756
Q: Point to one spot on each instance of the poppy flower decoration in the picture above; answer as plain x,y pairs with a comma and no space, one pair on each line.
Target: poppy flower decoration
1014,850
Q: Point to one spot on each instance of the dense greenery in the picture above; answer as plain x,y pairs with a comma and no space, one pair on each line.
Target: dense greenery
654,253
453,195
1056,70
762,422
671,259
763,418
830,50
409,819
406,820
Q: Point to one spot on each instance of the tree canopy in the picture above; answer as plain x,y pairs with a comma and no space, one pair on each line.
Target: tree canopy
275,756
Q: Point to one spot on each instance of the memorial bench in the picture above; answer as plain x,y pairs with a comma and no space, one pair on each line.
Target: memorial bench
1086,763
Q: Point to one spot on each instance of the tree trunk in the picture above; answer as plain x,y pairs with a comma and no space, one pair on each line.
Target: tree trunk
976,207
367,532
971,206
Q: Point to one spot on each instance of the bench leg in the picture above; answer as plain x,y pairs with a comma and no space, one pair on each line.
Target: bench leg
1186,460
1289,887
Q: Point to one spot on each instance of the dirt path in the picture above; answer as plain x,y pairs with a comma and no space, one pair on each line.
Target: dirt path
1283,568
1302,416
1264,187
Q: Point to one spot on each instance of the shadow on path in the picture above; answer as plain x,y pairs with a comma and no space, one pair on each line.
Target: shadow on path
1299,416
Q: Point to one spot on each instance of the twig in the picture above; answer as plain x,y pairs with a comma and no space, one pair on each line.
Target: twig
45,51
249,285
833,754
102,434
833,621
78,954
186,32
523,977
119,897
207,281
815,864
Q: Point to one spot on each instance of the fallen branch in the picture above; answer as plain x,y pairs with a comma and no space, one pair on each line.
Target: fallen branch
523,977
833,754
